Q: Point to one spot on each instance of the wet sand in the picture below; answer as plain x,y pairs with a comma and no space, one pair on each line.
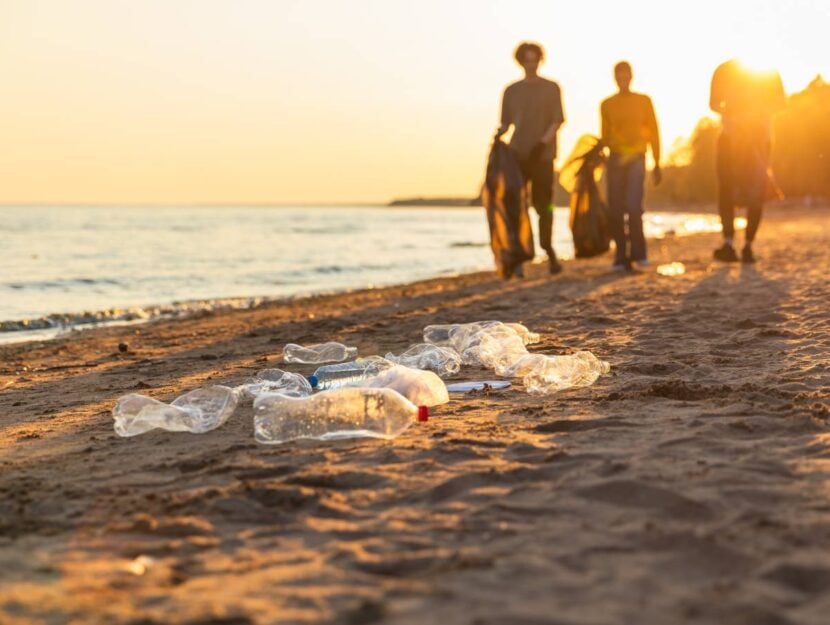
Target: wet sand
692,485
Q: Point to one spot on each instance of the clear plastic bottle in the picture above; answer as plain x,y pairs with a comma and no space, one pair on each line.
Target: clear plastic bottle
555,373
317,354
198,411
336,376
422,388
275,381
341,413
444,361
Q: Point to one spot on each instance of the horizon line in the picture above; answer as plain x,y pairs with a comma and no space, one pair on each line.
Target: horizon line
222,204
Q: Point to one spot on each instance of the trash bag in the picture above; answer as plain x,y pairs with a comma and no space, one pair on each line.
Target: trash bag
589,215
505,198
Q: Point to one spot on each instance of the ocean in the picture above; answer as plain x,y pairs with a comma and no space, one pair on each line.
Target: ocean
66,267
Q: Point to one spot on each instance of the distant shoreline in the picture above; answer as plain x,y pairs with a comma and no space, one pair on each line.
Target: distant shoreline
436,202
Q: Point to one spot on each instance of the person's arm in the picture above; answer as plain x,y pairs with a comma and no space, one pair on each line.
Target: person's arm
605,127
550,133
506,118
558,119
654,140
716,102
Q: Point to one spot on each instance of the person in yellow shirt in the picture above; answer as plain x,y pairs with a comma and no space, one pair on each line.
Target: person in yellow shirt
629,127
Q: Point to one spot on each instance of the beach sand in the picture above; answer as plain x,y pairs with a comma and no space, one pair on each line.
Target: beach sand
691,485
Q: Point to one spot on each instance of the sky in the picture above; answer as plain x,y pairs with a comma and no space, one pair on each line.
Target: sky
340,101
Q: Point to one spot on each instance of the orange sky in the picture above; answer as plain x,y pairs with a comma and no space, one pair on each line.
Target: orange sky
289,101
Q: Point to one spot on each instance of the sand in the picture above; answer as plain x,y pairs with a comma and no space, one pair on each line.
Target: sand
692,485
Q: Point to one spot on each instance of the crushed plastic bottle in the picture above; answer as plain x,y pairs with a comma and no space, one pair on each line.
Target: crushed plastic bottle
198,411
275,381
422,388
442,334
528,337
336,414
347,373
502,348
496,348
464,337
556,373
444,361
318,354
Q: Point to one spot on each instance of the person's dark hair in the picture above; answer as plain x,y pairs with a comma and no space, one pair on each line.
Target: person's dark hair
526,46
622,65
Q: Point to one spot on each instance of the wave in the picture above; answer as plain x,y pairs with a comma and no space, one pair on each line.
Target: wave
66,321
61,284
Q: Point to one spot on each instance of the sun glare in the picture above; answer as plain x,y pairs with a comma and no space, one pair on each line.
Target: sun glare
761,61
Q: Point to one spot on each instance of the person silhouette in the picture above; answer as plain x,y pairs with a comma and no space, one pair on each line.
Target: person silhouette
533,107
629,127
746,101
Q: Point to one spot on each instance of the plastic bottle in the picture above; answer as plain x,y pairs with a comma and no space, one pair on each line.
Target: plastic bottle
422,388
336,376
501,347
275,381
444,361
319,353
442,334
448,334
198,411
555,373
341,413
528,337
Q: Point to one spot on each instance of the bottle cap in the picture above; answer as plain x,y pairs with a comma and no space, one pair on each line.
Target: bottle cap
423,413
313,380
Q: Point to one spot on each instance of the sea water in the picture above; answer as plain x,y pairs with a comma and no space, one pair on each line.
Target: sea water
63,267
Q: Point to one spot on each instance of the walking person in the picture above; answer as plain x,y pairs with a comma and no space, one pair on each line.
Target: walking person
629,127
746,102
533,107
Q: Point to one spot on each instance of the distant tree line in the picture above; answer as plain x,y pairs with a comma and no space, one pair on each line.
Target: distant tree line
800,154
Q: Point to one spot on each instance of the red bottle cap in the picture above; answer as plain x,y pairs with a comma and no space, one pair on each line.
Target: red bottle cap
423,413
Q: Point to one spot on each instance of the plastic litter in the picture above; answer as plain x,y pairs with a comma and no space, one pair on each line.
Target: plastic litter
528,337
478,385
198,411
275,381
140,565
671,269
444,361
462,336
441,334
336,414
422,388
556,373
319,353
500,347
496,348
344,374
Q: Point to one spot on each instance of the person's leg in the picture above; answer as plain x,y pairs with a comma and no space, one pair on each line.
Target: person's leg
760,180
615,174
542,194
726,202
726,205
635,179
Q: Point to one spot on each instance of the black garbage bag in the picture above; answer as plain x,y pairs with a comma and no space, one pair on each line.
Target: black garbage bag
505,198
590,222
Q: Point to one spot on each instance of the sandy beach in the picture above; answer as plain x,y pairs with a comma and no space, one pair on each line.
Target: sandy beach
691,485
